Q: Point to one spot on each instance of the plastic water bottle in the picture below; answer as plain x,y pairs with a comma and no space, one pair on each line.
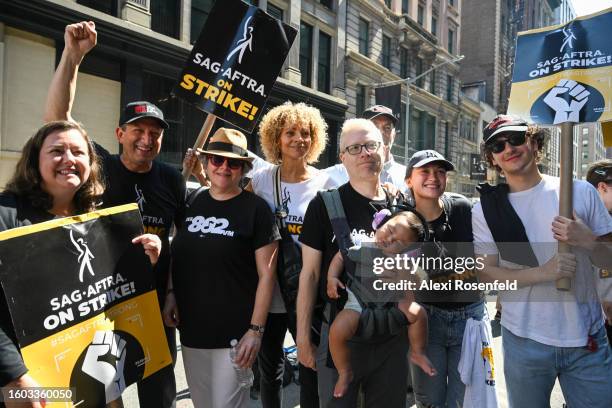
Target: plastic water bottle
245,375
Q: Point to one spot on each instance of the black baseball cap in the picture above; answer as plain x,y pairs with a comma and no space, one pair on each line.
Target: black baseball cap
503,124
142,109
423,157
379,110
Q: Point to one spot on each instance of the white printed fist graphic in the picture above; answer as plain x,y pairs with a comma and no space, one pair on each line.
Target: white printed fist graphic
564,111
104,361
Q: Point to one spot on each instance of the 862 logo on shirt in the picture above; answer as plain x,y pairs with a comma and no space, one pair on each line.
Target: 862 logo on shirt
210,225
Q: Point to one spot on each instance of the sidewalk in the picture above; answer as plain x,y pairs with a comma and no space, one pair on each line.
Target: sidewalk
291,393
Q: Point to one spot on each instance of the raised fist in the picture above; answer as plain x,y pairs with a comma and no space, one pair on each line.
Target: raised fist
80,38
104,361
567,111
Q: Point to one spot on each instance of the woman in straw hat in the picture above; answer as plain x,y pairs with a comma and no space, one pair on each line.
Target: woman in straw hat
223,274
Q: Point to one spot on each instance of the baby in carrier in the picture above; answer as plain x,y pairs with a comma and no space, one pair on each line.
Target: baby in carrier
346,323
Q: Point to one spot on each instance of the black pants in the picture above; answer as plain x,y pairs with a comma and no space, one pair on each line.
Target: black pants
272,364
379,369
159,389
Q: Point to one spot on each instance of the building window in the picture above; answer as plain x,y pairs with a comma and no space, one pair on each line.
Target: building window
360,100
404,63
446,142
405,6
386,52
451,41
324,65
199,13
306,54
185,120
364,37
419,71
422,130
165,17
451,3
434,25
326,3
432,82
388,4
449,88
275,12
421,15
105,6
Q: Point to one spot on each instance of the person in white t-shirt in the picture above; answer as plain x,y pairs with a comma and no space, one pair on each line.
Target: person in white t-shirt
292,137
547,334
392,172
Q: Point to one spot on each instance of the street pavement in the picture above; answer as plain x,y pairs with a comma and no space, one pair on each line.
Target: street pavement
291,393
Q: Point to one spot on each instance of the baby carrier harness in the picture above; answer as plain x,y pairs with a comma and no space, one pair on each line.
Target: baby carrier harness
378,319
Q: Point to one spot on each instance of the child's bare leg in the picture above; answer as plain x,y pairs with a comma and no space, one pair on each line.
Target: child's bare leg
342,329
417,335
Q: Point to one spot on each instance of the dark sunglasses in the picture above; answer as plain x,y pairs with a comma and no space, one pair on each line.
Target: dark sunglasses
515,139
218,161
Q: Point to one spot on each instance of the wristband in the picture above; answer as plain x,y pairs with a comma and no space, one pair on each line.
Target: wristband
256,328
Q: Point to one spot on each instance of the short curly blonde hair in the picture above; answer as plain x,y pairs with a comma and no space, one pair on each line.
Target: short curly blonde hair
289,114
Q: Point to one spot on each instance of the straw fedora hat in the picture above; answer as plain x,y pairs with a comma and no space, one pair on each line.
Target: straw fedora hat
228,143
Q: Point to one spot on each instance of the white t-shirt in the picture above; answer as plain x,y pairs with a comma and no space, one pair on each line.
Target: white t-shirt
541,312
476,366
296,196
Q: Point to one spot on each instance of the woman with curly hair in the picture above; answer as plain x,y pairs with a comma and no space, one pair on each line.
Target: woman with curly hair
292,137
58,175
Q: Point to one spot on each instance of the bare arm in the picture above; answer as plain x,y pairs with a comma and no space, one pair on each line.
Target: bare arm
170,314
192,162
265,258
576,233
249,345
336,267
79,39
307,294
23,382
559,266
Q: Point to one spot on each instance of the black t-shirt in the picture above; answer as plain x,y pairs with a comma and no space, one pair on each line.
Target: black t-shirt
317,231
14,213
213,266
160,195
454,229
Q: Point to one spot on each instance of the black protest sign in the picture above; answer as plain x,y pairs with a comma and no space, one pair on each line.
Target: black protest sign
235,62
389,96
478,168
83,303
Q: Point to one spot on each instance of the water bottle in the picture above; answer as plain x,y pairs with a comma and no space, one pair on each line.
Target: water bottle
245,375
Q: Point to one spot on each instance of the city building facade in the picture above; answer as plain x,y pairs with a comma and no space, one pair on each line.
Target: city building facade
343,50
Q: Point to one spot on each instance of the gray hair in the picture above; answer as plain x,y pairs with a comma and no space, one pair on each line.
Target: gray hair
358,124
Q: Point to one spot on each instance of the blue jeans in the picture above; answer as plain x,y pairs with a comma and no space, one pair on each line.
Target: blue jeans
446,327
531,368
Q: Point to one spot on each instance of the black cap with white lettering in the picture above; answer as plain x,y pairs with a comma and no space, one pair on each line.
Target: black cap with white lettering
142,109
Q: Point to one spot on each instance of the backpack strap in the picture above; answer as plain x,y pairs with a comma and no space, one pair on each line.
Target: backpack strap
342,231
280,210
505,225
339,223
